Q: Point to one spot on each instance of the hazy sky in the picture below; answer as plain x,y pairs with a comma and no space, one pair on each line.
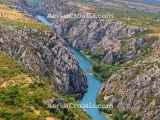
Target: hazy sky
152,0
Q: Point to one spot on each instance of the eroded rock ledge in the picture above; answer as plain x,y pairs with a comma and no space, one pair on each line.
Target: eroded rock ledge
45,54
135,89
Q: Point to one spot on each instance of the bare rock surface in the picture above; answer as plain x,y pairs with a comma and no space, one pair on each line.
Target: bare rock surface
136,88
99,36
45,54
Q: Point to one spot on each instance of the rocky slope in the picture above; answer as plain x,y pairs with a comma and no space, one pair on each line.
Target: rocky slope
46,56
134,90
44,53
37,71
24,95
109,41
98,36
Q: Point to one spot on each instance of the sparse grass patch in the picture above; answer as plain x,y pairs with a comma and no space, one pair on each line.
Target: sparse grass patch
12,17
104,71
23,95
8,67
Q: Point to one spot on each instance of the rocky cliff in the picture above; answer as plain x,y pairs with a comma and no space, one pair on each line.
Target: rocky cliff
40,50
109,41
35,67
24,95
134,90
45,54
101,37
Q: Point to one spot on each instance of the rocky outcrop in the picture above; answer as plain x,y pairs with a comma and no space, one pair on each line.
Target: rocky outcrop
54,7
135,89
57,7
99,36
44,53
89,33
104,38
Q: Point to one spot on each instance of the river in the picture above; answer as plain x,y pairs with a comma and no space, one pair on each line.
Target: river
94,84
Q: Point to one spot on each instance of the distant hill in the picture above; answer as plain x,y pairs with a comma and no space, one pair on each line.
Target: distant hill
133,4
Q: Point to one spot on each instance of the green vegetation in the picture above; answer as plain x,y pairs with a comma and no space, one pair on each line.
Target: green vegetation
104,71
22,95
93,57
24,103
100,69
5,1
114,113
130,16
11,17
20,24
9,68
148,21
117,115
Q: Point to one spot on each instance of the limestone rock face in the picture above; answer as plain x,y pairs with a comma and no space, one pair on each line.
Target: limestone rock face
136,88
44,53
103,38
44,7
99,36
57,7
